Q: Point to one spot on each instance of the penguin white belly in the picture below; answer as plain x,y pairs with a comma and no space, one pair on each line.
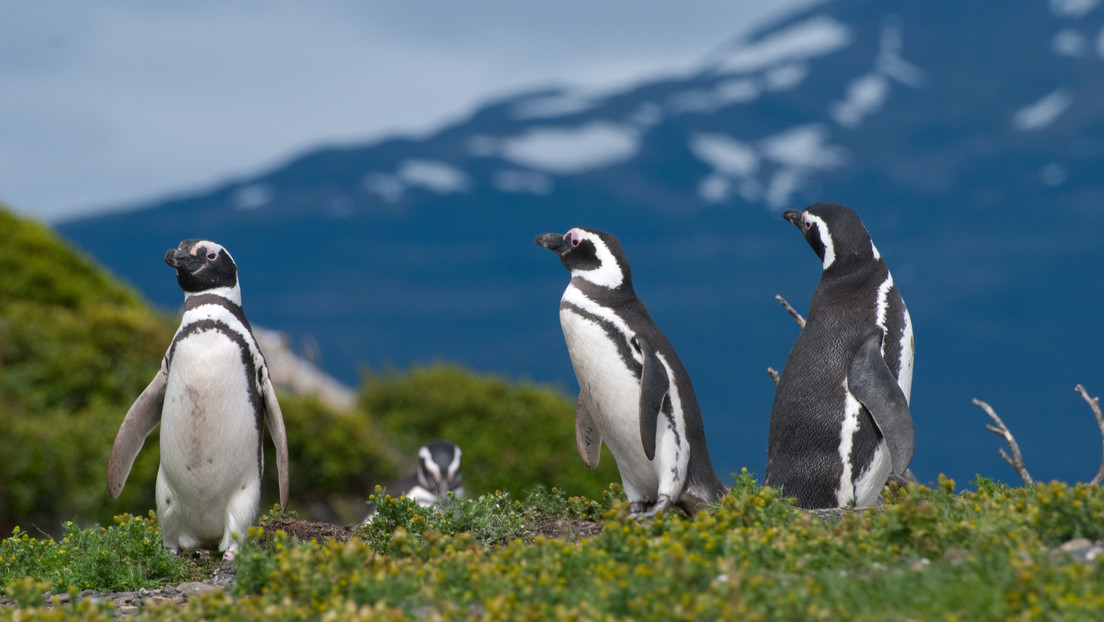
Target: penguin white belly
208,483
612,394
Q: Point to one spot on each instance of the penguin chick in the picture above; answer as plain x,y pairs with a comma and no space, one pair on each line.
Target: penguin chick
212,397
635,395
840,424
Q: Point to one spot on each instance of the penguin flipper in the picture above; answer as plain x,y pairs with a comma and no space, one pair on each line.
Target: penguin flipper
274,419
653,388
871,382
588,440
142,417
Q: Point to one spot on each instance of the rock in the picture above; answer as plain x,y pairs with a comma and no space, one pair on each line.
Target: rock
1081,549
194,588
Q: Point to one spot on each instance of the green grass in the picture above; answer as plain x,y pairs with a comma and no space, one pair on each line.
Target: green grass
988,553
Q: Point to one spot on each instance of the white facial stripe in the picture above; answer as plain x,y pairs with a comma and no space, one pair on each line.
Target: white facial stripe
577,298
845,494
825,237
429,463
211,247
454,466
608,273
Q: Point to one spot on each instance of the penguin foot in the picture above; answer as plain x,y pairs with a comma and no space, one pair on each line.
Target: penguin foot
636,508
661,506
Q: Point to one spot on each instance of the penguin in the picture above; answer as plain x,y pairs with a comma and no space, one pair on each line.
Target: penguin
840,424
635,395
212,397
438,474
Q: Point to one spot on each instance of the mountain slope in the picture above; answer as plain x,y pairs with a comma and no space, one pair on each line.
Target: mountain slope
968,137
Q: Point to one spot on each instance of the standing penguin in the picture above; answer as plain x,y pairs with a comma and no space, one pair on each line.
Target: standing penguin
634,394
212,397
840,424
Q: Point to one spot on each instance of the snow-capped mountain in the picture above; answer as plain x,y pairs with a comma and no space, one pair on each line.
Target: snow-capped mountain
968,135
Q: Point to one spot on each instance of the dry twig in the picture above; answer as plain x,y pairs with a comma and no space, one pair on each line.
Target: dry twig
793,312
1094,403
800,322
1016,460
774,374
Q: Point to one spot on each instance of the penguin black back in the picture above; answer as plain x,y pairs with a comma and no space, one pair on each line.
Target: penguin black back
836,404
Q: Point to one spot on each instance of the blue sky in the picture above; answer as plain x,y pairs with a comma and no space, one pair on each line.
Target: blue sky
106,104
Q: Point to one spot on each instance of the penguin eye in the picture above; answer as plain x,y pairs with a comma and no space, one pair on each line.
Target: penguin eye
574,242
212,255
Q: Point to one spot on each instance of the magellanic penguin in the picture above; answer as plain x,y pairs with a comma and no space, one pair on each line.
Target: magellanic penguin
212,397
634,394
438,474
840,423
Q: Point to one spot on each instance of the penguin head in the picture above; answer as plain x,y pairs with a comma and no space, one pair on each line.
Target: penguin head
202,265
439,467
834,232
596,256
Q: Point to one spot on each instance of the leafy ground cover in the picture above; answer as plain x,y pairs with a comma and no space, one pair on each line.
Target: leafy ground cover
990,552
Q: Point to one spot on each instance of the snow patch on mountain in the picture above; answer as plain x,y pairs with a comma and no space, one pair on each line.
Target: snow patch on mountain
565,151
1042,113
440,177
434,175
868,93
786,77
253,196
1073,9
725,154
816,36
549,106
795,154
646,115
516,180
1069,42
804,147
383,185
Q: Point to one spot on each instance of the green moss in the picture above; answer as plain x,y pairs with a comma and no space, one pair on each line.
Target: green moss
128,555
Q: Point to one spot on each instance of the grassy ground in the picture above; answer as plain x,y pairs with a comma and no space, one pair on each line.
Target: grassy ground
989,553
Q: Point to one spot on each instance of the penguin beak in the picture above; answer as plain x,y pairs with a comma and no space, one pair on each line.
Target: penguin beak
793,216
556,242
180,260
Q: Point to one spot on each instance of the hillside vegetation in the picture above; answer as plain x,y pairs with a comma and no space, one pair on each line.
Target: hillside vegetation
989,553
76,348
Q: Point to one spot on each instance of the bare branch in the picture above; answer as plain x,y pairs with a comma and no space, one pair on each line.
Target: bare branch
1016,460
793,312
1094,403
774,374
